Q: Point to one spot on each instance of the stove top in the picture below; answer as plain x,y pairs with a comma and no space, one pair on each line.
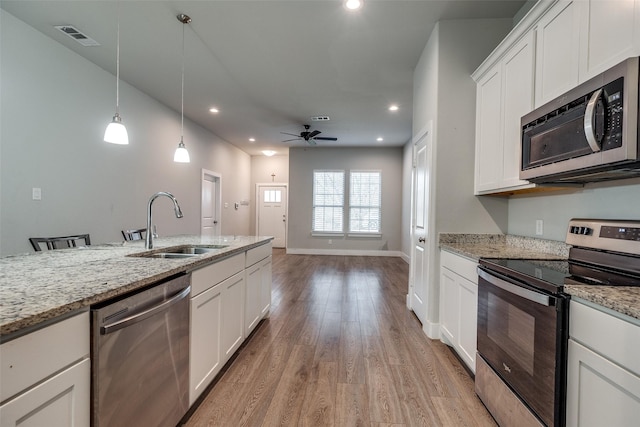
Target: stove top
604,252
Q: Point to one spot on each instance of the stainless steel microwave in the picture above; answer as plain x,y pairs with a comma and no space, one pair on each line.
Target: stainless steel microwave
588,134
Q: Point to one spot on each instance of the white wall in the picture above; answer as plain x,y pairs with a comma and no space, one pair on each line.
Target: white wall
444,93
262,167
407,166
612,200
302,163
55,106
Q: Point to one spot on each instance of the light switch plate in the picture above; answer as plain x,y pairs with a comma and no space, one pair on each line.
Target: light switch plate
539,227
36,193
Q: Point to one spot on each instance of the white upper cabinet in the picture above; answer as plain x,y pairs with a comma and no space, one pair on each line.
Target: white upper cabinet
488,131
557,51
518,71
609,34
504,94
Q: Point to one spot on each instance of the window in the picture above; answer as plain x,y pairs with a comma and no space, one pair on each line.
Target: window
328,201
364,201
272,196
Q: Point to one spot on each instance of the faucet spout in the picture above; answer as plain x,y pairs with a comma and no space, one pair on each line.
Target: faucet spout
176,208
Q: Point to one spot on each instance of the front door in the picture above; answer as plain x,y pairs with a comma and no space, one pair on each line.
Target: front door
272,213
420,234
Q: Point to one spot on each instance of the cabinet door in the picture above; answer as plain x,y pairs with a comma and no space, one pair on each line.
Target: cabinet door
607,34
468,321
518,70
488,173
265,286
232,334
252,306
205,355
557,51
62,400
600,392
449,308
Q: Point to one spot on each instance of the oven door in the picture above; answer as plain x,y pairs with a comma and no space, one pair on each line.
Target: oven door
522,336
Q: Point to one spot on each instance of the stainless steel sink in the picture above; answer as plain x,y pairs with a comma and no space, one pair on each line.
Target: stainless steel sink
195,250
182,251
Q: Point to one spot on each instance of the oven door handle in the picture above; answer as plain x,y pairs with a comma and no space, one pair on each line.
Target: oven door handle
533,296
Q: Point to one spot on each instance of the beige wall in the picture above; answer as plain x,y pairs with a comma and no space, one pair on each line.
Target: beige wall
55,106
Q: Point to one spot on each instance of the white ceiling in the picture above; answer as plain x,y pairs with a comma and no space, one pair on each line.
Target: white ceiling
269,66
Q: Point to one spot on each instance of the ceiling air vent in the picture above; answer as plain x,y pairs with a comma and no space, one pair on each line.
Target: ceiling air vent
75,34
320,119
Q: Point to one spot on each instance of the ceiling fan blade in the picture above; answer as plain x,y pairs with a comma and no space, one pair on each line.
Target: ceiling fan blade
313,133
292,134
294,139
325,138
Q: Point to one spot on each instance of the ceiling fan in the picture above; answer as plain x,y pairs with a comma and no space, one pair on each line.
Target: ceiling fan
310,136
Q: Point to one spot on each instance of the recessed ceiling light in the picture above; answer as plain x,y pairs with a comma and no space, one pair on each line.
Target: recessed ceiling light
252,140
353,4
214,110
380,139
268,153
393,107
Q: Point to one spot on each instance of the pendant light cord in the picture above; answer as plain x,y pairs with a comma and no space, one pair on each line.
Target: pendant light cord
182,100
118,62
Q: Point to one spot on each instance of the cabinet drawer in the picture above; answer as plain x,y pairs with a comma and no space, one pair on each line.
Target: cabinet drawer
256,254
206,277
461,265
29,359
612,337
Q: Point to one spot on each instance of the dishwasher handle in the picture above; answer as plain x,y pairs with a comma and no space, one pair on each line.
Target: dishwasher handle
140,316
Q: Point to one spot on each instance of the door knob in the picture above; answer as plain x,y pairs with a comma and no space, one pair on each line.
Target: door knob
421,239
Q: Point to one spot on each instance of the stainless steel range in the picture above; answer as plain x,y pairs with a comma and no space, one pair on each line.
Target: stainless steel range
523,319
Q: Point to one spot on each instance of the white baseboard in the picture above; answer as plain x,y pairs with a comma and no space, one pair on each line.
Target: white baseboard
432,330
406,258
343,252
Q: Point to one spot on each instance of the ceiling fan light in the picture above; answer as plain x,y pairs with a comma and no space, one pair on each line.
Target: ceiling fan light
181,155
116,133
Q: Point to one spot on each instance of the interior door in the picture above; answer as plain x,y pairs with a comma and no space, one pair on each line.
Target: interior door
210,206
272,213
420,232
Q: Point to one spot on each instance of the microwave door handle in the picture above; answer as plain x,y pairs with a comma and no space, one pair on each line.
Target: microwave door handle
536,297
590,121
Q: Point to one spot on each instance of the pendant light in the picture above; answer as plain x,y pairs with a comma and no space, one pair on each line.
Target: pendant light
182,155
116,133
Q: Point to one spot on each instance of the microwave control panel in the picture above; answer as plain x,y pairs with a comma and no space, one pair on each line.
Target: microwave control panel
613,97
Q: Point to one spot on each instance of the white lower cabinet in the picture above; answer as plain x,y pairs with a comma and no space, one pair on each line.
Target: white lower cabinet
603,379
205,355
459,305
258,283
44,387
227,301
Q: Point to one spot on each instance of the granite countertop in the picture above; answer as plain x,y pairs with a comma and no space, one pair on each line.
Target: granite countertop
622,299
476,246
37,287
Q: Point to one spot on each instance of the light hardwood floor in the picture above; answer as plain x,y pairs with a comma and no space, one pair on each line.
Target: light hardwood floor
341,349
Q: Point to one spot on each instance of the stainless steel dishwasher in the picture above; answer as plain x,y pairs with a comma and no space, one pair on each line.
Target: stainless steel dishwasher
140,357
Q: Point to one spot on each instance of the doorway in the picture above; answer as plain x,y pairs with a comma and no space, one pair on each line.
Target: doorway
210,219
271,214
420,236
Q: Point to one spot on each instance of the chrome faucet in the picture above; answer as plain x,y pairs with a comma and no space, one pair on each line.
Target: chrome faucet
176,208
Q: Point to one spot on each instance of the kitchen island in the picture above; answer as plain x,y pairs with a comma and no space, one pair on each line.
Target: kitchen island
36,288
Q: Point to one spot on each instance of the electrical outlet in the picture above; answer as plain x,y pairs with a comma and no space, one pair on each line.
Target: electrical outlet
36,193
539,227
330,241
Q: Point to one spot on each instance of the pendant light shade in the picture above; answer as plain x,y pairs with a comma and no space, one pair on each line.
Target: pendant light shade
116,133
182,155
